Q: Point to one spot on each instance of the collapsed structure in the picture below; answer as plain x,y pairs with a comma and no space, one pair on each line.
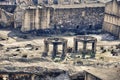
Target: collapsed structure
85,40
6,18
58,41
112,18
55,42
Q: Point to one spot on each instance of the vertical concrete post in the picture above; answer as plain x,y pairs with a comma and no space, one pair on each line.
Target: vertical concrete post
75,45
33,77
37,19
71,2
94,47
55,48
84,49
25,21
85,75
64,49
48,17
84,46
46,46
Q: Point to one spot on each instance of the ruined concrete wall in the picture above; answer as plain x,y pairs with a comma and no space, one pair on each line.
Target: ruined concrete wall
112,19
28,20
34,19
18,17
6,18
47,17
112,28
72,17
3,17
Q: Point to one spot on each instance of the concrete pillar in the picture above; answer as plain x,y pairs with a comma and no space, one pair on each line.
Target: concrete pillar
46,46
55,48
37,24
84,49
48,18
71,2
45,18
64,50
84,46
94,47
60,2
75,45
85,75
26,22
33,77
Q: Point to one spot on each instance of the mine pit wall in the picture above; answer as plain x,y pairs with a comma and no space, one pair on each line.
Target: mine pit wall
82,17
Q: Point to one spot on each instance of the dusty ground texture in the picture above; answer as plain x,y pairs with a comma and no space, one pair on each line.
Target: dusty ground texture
17,52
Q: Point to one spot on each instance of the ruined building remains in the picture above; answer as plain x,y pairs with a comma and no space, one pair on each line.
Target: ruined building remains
24,2
7,2
6,18
112,18
85,40
63,14
55,42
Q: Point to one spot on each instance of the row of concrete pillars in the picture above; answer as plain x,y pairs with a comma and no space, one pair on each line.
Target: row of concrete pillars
84,46
84,49
55,48
63,42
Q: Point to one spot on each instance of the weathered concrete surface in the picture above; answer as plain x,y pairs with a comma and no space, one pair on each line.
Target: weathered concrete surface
6,18
43,17
112,19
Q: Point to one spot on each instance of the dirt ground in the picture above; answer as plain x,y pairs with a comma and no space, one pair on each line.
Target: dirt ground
15,57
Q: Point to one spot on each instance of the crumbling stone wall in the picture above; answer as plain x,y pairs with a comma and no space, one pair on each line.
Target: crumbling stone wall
47,17
82,17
